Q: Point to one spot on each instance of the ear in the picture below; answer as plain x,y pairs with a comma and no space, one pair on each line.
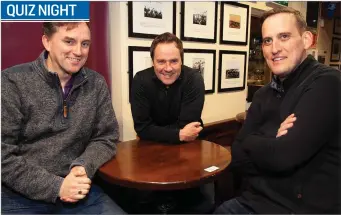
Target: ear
308,39
46,42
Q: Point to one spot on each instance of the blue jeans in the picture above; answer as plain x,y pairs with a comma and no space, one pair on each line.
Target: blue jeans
96,202
233,206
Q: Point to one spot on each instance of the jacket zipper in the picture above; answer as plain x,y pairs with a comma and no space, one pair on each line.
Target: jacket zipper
65,106
65,109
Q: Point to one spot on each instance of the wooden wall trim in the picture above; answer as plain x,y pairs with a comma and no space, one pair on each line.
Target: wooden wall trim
222,132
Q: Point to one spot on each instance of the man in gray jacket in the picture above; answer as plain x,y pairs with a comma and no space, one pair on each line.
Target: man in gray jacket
58,127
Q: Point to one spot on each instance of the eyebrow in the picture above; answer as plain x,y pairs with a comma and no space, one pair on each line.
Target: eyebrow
280,34
70,38
289,33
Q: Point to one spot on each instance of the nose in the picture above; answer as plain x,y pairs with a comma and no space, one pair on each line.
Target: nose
276,47
77,50
168,67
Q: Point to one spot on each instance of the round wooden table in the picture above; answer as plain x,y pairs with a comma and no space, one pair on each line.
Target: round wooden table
150,165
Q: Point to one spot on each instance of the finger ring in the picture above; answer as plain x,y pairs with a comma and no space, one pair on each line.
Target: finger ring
79,192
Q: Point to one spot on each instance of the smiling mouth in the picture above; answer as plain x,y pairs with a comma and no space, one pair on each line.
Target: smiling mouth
167,75
76,60
276,59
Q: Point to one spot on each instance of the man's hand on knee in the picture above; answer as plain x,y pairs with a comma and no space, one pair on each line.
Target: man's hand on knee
75,186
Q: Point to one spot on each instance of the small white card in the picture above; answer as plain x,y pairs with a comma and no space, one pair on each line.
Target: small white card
211,168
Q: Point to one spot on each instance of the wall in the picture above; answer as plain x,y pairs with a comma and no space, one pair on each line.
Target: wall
21,41
218,106
324,41
14,46
324,31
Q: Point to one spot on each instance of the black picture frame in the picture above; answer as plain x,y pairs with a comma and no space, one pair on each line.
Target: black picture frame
192,37
232,63
337,26
223,14
146,34
211,62
335,50
131,62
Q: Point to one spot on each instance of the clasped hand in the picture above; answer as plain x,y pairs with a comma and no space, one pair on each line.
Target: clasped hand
190,131
76,185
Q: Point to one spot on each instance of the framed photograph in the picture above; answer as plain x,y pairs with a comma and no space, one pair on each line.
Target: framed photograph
149,19
335,50
138,59
234,20
204,61
199,21
337,26
232,70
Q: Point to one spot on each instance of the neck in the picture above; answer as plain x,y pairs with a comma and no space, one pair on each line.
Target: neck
63,76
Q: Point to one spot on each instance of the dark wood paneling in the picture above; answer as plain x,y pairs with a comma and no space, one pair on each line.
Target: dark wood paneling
221,132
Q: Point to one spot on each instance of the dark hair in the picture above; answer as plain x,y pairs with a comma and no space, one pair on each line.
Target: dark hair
166,38
49,28
301,23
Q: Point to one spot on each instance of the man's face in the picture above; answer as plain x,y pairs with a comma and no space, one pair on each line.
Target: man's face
284,48
68,49
167,62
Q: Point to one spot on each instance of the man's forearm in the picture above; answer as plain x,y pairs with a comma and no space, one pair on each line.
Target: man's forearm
34,182
160,134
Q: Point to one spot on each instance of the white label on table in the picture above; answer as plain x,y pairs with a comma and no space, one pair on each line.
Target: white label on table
211,168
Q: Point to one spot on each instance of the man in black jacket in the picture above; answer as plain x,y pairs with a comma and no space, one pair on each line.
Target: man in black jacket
289,146
167,99
166,103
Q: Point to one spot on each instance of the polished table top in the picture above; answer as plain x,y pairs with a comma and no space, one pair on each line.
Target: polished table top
157,166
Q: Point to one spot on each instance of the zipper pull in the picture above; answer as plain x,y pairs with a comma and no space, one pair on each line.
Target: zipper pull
65,110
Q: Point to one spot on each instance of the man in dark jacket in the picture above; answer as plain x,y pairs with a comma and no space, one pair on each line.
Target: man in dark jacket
167,99
58,127
289,146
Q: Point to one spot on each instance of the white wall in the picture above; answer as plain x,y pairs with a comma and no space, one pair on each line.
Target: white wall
218,106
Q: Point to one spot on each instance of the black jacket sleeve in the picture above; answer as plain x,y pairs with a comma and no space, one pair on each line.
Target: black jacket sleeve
192,101
317,112
192,104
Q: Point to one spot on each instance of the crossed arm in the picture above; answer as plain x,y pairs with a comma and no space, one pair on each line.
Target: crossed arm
317,114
